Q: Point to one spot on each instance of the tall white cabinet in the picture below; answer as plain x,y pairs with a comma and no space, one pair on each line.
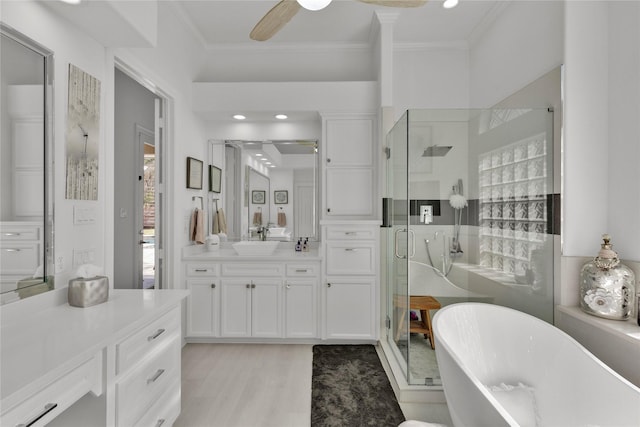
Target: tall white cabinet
350,228
349,157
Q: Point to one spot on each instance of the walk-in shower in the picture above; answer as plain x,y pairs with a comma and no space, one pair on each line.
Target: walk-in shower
471,220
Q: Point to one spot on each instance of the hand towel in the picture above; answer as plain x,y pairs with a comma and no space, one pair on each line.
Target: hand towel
282,219
219,222
197,226
257,218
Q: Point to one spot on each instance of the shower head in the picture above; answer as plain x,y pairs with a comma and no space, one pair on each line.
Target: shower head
436,150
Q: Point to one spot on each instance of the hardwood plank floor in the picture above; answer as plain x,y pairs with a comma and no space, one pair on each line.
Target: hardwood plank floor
246,385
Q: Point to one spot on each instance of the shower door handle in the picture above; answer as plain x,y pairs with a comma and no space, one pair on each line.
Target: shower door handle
395,242
412,236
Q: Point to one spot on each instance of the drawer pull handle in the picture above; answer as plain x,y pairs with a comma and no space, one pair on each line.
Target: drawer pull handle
12,250
160,422
201,270
12,234
301,270
47,408
350,233
350,249
155,376
156,335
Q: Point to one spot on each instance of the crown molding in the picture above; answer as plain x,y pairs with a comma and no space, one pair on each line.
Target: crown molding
487,21
186,19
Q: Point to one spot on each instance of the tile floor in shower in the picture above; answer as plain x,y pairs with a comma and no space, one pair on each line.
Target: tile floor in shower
423,367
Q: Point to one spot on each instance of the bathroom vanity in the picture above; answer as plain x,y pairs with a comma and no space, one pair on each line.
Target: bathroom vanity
113,364
328,293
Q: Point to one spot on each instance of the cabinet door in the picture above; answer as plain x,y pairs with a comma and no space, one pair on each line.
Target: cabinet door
349,191
300,308
202,308
235,308
349,142
266,308
350,308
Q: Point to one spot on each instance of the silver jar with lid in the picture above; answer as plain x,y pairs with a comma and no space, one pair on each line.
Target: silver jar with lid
607,287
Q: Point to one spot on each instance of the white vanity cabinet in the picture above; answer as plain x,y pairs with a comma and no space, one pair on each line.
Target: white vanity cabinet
301,289
349,166
203,312
234,298
350,288
114,364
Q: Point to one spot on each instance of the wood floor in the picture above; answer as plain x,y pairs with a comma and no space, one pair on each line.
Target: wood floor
246,385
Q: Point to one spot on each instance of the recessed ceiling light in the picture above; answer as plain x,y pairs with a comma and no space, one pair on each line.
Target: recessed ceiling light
71,1
258,155
239,117
272,166
281,116
264,159
267,163
448,4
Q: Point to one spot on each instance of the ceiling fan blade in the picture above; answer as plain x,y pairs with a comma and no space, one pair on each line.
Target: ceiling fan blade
274,20
396,3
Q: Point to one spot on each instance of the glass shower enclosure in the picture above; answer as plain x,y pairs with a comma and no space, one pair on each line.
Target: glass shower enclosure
471,218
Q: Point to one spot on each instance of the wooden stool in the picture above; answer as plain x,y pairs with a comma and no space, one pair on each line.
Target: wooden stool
423,304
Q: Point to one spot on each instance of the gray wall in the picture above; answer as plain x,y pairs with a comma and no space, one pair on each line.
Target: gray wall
134,104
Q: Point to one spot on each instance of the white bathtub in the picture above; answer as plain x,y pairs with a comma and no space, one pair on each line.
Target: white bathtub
502,367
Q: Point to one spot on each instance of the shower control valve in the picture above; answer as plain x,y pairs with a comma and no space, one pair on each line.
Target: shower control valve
426,214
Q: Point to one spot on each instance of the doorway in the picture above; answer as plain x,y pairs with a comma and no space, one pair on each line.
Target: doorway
139,196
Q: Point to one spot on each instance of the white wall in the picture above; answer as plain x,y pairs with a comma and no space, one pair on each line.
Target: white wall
170,65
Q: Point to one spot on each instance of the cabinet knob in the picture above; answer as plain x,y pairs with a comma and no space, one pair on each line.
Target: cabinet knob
248,286
253,286
328,160
328,209
213,286
328,285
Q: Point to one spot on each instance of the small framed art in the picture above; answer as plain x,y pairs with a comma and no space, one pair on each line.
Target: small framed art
194,173
257,197
281,197
215,175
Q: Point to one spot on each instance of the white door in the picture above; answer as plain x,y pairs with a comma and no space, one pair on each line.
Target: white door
304,210
266,309
235,308
300,308
344,298
201,320
145,208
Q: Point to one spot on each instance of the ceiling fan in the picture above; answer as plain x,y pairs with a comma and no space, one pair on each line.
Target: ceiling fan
284,10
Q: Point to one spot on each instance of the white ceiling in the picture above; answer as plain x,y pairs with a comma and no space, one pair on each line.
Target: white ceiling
348,22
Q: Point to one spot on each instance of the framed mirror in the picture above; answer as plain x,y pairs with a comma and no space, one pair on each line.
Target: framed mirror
26,174
256,177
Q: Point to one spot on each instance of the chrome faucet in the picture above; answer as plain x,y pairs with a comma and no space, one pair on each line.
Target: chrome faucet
262,233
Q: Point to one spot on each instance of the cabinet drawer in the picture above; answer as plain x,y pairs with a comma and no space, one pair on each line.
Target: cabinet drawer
18,233
52,400
18,258
350,258
235,269
195,270
136,392
154,335
165,411
350,232
303,270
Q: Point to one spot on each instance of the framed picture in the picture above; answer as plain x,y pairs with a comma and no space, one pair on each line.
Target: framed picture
257,197
281,197
214,179
194,173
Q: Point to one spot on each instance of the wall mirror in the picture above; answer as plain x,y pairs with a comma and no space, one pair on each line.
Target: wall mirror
26,152
254,172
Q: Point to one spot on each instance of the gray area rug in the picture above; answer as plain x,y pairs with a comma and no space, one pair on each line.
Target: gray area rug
350,388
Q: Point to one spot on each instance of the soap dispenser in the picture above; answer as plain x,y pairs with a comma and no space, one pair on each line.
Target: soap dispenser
305,245
607,287
299,245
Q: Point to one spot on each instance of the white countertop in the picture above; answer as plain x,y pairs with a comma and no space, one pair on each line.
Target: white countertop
36,347
625,329
225,254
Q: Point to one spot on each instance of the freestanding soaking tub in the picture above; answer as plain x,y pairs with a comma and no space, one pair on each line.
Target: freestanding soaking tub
502,367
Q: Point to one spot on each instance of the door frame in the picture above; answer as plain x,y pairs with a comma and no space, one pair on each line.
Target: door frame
142,135
163,132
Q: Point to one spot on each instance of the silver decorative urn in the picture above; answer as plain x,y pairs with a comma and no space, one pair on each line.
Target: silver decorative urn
607,287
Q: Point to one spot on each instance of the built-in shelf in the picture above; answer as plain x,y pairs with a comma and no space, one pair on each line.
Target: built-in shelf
625,329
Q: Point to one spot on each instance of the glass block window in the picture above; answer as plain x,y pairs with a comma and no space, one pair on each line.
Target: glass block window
513,204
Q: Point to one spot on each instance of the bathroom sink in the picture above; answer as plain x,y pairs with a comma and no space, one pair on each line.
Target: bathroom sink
255,247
